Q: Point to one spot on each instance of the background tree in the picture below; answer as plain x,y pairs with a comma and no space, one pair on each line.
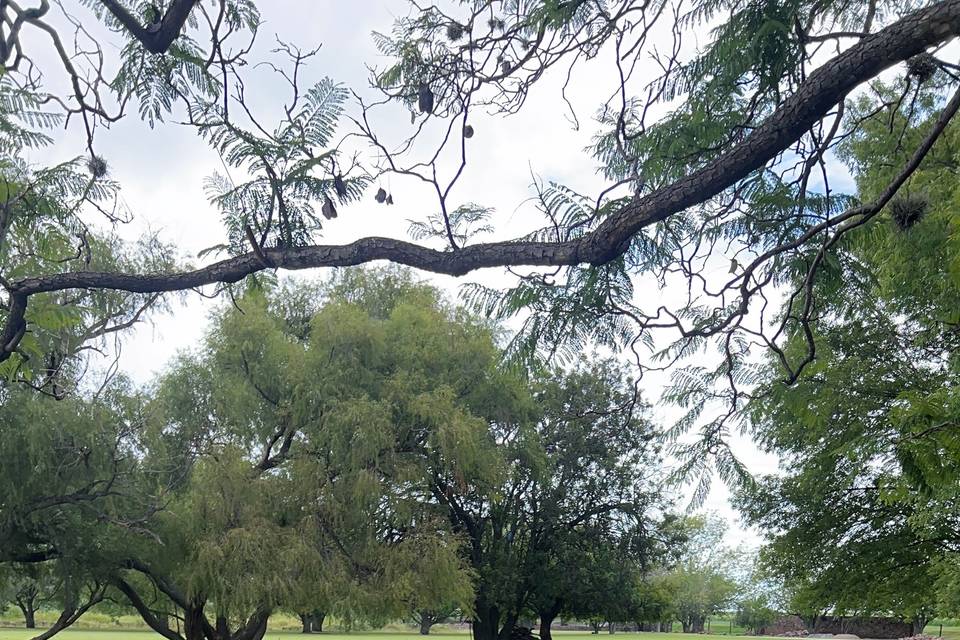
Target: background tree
29,588
702,584
754,614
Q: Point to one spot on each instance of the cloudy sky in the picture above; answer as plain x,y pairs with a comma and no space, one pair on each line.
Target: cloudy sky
162,173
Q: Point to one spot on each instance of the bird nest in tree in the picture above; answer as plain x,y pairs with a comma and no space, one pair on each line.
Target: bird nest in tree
922,66
907,210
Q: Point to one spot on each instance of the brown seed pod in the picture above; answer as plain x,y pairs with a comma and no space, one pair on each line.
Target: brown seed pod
381,195
328,210
339,186
454,31
505,67
390,198
922,66
97,166
425,98
467,131
908,210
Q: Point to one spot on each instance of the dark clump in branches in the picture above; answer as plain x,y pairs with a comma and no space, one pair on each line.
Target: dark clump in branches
908,210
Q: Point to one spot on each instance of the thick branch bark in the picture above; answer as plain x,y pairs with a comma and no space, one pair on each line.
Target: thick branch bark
145,612
159,40
820,92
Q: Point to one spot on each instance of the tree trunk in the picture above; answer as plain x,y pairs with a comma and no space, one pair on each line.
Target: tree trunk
426,621
318,618
611,627
508,626
307,620
486,622
918,623
546,619
29,617
193,623
693,624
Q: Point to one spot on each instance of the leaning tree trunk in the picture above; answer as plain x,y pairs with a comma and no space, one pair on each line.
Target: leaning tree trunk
306,620
426,621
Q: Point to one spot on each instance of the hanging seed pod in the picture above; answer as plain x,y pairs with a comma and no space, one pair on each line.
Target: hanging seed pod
339,186
390,198
922,66
97,166
467,131
908,210
328,210
381,195
413,117
454,31
425,98
505,67
495,24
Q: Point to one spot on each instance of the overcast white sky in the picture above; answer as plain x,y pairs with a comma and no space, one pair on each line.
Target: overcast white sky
162,173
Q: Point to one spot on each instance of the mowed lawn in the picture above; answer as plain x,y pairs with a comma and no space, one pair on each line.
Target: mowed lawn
121,634
949,633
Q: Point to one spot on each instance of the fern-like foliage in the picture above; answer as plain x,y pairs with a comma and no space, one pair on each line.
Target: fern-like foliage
291,172
466,222
23,119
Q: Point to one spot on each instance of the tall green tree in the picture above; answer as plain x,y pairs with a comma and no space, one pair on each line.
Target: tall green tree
571,508
863,521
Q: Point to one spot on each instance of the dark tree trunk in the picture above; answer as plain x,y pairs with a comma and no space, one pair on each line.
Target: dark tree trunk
918,624
312,621
193,623
29,617
486,623
223,627
693,625
426,621
546,620
611,628
508,626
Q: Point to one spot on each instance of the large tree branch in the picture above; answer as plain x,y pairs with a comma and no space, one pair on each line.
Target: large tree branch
71,614
819,93
154,38
145,611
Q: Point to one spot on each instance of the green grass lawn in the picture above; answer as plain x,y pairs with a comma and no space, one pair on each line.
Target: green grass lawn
121,634
950,632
